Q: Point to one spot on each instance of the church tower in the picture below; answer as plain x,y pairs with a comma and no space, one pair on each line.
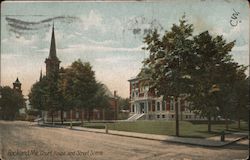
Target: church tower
52,62
17,86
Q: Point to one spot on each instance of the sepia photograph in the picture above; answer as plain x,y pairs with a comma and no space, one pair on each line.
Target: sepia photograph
124,80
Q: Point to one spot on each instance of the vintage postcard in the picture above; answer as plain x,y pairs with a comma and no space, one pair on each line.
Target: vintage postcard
124,80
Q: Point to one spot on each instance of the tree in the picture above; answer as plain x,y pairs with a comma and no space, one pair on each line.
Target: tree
197,68
234,99
80,86
100,99
37,94
213,76
45,95
10,102
123,103
75,87
170,62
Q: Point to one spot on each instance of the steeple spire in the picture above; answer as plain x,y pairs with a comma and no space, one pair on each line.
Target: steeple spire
52,62
52,52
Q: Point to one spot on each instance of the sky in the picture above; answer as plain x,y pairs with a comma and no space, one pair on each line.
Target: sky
109,35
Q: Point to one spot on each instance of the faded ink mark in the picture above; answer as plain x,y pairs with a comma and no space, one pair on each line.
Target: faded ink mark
234,18
20,27
140,26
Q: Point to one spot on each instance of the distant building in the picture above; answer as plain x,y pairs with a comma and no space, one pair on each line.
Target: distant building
17,86
145,104
52,69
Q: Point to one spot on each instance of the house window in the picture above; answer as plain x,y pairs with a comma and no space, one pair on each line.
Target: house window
158,106
77,115
186,116
133,85
172,116
64,114
153,106
149,107
158,116
141,88
164,105
171,105
163,116
136,94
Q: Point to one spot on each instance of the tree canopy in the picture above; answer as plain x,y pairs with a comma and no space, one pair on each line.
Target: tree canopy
74,88
10,102
198,67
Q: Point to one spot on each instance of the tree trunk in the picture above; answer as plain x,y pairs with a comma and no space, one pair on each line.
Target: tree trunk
43,116
226,122
62,117
209,123
176,117
238,122
71,119
103,114
52,117
81,117
88,114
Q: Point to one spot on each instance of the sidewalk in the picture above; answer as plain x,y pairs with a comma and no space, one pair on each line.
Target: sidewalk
208,142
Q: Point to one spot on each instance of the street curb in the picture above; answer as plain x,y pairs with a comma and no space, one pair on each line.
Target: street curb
170,141
51,126
177,142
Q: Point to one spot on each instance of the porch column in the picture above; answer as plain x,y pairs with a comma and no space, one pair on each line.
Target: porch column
135,108
146,107
138,108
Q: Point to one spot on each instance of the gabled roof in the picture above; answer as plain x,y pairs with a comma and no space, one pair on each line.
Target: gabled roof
17,81
107,91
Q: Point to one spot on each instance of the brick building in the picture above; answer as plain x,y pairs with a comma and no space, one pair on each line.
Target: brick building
144,104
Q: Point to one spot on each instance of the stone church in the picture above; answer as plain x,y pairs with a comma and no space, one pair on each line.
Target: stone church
52,69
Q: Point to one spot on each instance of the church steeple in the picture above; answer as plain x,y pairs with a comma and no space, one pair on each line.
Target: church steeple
52,52
52,62
17,86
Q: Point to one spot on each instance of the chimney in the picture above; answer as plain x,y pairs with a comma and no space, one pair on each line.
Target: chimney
115,92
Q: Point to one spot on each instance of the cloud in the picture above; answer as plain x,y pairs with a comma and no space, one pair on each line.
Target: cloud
5,56
94,19
98,48
105,42
112,59
13,40
239,33
241,48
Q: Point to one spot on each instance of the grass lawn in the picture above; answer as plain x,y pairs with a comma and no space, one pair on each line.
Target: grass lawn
187,129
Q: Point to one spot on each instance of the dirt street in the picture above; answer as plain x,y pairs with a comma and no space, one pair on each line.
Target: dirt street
26,141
